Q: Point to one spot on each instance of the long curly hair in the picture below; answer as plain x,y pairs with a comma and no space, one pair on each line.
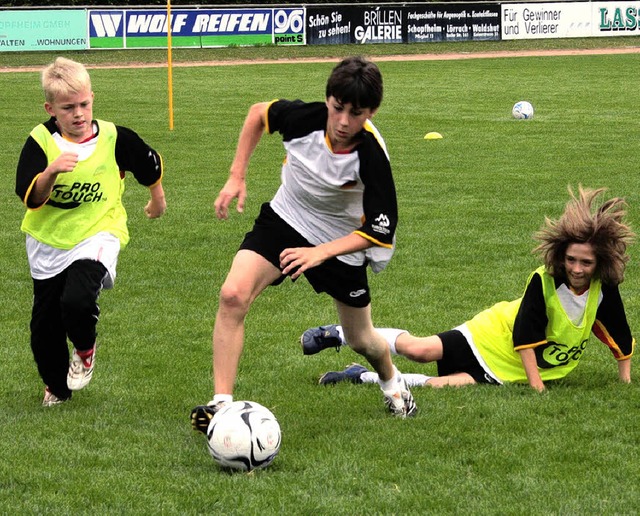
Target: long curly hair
584,221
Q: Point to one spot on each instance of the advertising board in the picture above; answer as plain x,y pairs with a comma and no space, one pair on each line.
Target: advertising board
570,20
148,28
452,22
43,30
408,23
333,24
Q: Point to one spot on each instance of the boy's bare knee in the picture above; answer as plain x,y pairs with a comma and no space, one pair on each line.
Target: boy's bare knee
232,298
367,347
359,347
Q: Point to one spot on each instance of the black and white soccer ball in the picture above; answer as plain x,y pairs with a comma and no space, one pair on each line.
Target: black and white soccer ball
244,435
522,110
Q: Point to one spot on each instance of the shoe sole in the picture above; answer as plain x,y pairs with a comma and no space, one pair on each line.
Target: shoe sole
315,350
53,403
323,379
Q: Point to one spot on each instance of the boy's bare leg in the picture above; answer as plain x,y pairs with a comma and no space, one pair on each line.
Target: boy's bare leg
365,340
249,275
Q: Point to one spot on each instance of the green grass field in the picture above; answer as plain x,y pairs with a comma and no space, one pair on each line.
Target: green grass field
469,205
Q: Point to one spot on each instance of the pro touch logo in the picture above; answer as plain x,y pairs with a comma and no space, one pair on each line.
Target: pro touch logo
554,354
71,196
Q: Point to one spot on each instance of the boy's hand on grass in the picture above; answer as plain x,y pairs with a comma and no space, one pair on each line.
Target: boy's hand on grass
155,208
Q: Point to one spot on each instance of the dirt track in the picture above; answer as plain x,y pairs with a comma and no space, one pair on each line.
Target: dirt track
401,57
434,57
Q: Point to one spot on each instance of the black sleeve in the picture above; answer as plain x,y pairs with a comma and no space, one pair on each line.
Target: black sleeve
32,161
135,156
530,326
380,204
295,118
611,325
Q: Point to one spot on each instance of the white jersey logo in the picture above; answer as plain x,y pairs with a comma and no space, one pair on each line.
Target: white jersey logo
381,224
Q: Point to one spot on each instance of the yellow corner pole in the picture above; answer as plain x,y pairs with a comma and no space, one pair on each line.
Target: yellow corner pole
169,65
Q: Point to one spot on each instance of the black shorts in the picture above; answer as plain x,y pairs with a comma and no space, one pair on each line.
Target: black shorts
271,235
458,357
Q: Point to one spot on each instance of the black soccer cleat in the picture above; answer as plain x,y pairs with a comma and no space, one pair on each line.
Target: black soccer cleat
202,415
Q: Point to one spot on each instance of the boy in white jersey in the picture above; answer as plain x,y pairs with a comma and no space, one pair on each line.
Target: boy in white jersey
70,177
334,213
540,336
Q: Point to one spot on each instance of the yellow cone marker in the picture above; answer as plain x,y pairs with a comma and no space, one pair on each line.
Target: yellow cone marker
432,136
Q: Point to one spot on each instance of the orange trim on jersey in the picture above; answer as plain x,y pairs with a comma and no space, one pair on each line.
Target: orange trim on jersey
530,346
373,240
26,196
603,335
368,127
346,151
265,116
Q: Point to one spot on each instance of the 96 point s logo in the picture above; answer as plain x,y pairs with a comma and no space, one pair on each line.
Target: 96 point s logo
288,26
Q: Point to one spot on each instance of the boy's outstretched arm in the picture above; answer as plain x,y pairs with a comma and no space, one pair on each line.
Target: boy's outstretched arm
250,135
528,357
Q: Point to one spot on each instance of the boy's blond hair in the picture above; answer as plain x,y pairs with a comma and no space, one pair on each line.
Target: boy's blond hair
585,221
64,76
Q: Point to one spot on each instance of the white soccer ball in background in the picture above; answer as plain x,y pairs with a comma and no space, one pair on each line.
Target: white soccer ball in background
522,110
244,435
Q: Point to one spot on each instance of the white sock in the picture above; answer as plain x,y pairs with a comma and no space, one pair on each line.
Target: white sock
415,379
392,383
341,334
411,379
221,398
369,377
390,335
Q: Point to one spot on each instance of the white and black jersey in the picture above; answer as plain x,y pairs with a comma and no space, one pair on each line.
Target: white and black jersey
326,195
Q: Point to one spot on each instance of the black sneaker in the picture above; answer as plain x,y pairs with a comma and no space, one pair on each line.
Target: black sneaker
202,415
